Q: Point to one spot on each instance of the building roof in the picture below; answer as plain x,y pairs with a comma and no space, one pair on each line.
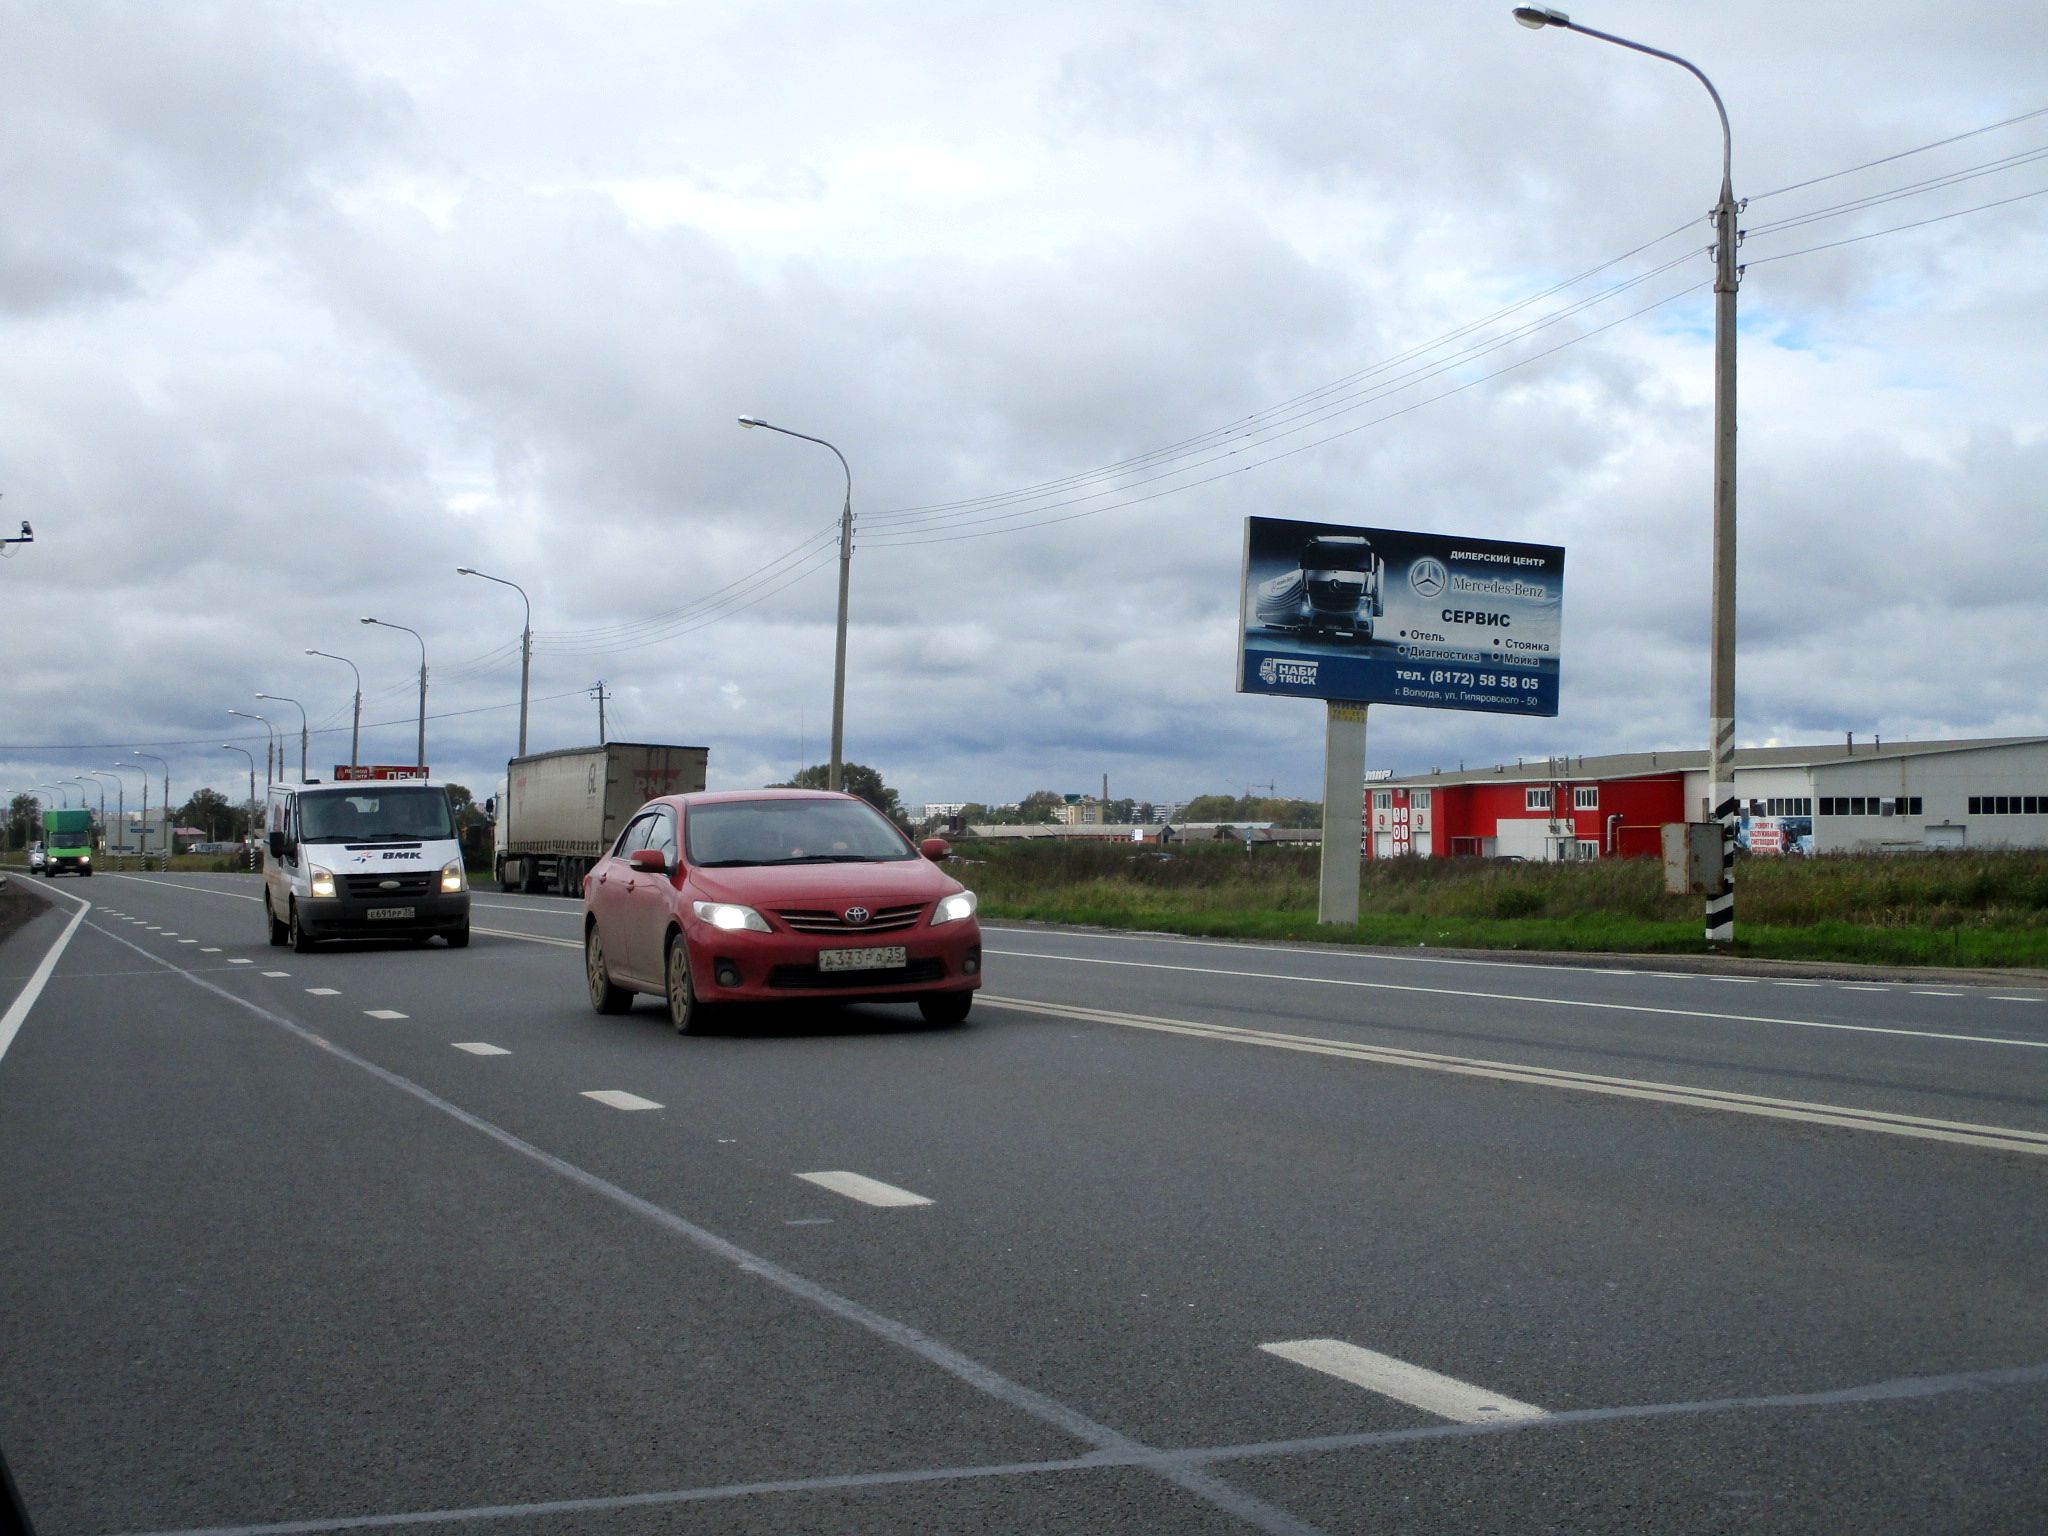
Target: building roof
1639,765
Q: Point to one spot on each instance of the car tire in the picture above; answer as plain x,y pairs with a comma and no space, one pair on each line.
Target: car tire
301,941
280,934
946,1007
458,938
604,997
685,1010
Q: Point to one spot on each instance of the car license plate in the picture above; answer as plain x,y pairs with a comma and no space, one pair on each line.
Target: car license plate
376,912
886,957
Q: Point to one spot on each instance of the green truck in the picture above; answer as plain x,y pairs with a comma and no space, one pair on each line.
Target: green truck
67,842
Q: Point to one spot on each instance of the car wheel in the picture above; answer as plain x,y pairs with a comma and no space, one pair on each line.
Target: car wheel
604,997
302,942
946,1007
684,1011
459,938
280,935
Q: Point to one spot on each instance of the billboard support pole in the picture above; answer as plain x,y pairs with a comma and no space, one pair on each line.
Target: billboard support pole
1343,812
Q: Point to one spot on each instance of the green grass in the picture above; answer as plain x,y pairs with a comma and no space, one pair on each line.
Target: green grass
1966,909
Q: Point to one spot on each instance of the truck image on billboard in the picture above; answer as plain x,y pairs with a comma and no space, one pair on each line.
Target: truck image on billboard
1380,616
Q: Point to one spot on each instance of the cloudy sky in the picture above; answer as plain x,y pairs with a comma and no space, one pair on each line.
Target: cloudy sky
302,306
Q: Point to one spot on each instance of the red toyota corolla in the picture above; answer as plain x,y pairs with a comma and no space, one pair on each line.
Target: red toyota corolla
770,895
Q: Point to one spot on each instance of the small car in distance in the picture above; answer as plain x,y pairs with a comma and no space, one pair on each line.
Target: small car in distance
759,896
38,861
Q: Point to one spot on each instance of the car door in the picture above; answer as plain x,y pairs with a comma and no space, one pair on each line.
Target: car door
651,897
608,891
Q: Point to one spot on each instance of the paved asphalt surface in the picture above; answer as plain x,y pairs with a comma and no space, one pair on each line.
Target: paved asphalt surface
1209,1238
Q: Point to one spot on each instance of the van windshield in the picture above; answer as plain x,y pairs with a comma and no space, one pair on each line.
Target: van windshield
413,813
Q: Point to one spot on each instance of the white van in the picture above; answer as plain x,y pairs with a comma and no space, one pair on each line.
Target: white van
365,859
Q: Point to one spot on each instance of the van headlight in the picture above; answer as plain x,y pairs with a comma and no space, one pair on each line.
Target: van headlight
323,881
730,916
451,878
956,906
85,858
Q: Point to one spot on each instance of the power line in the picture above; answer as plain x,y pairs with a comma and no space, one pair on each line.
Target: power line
1939,218
1920,149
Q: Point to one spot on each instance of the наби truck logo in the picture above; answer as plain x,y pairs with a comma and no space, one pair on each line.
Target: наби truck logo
1295,674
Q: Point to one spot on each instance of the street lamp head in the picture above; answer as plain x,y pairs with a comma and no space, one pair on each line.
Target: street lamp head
463,570
752,421
1538,17
366,621
262,695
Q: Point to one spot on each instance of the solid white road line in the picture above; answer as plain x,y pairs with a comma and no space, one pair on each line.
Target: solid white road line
1540,1001
10,1022
479,1048
859,1187
1842,1117
385,1013
1444,1396
618,1098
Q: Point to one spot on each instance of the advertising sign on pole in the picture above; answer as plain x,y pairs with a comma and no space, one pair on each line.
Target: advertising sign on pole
1380,616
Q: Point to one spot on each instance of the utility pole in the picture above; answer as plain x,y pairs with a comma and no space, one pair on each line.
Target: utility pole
598,693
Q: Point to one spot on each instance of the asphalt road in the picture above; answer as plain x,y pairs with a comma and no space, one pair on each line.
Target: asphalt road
1187,1237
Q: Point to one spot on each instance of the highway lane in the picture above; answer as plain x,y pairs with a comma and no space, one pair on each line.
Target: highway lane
1120,1220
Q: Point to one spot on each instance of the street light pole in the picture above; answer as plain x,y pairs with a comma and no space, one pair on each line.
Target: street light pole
845,574
120,800
355,733
305,730
525,644
270,733
142,837
170,836
229,746
1721,802
421,753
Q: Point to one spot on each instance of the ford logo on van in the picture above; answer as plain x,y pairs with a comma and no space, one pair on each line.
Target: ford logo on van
387,885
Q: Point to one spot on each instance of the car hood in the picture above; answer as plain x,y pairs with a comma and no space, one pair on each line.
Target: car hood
895,883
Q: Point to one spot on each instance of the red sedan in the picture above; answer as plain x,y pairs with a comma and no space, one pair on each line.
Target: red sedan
770,895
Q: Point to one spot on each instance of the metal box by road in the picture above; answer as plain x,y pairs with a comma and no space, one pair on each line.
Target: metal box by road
1692,857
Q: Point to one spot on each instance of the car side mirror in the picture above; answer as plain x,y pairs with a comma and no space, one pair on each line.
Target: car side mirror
277,845
649,861
936,849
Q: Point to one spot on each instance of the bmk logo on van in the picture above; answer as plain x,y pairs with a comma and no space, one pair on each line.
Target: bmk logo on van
1382,616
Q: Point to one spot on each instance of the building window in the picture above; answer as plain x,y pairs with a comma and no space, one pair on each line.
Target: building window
1588,848
1586,798
1536,800
1419,799
1383,799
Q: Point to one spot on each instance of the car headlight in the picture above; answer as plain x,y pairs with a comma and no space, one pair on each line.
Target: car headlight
85,858
323,881
451,878
956,906
730,916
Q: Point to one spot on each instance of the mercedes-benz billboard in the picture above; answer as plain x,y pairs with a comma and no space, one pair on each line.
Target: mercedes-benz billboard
1379,616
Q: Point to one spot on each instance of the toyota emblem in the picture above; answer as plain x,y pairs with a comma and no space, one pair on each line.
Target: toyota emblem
855,916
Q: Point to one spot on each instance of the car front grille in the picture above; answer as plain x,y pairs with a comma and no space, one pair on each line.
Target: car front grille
802,977
371,887
827,920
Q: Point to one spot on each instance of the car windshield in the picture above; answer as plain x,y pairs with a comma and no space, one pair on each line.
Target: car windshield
736,832
411,814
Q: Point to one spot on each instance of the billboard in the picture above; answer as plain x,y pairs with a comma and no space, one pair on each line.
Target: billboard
1378,616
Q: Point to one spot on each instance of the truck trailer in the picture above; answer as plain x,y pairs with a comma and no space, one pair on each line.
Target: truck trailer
67,842
558,812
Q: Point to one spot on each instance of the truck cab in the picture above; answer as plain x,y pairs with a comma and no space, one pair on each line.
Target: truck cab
363,860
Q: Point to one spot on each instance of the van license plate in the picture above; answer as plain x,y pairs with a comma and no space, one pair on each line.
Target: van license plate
887,957
377,912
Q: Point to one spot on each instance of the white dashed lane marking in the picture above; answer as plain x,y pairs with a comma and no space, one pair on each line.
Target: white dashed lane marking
277,973
480,1048
619,1099
233,961
1444,1396
857,1186
324,991
385,1013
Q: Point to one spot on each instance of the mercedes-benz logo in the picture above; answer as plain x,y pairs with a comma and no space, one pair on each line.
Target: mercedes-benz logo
1428,577
855,916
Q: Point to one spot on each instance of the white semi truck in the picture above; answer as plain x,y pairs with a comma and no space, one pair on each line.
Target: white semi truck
557,812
